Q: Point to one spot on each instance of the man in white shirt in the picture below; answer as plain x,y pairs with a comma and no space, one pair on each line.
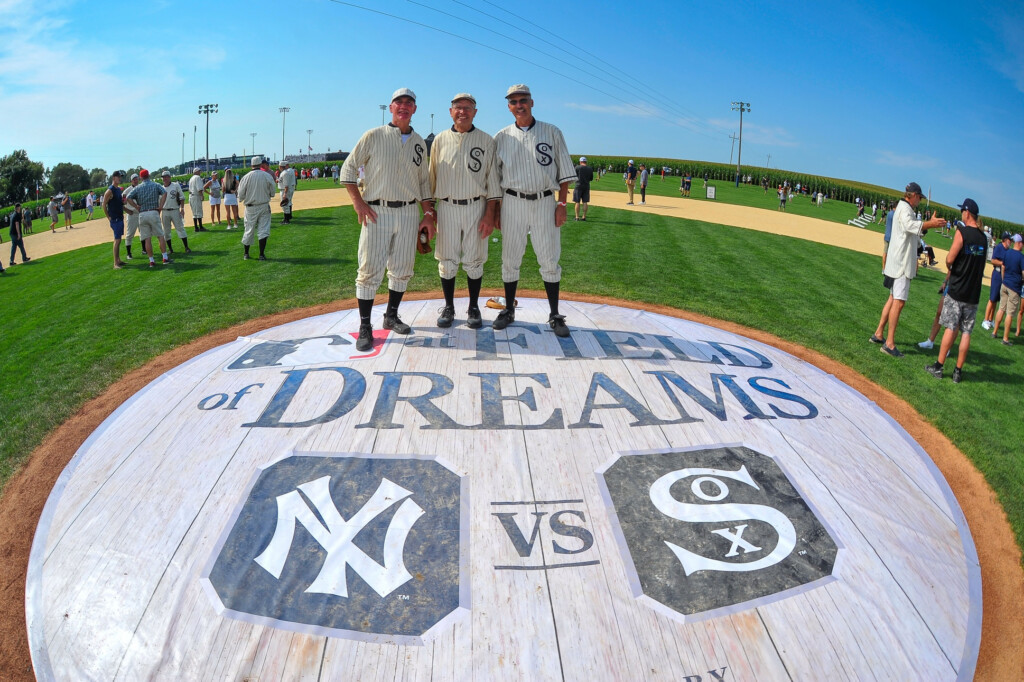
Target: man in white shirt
195,200
901,264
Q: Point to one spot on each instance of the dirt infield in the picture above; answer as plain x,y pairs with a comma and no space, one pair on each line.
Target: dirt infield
1001,657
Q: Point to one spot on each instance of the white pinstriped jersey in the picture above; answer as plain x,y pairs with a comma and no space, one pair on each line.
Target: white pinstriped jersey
256,187
462,165
533,160
175,197
393,171
195,185
286,180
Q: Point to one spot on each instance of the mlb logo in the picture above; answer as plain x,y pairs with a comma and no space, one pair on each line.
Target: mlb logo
356,546
714,531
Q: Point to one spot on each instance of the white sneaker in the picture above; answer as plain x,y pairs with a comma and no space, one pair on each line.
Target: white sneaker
643,203
927,344
986,324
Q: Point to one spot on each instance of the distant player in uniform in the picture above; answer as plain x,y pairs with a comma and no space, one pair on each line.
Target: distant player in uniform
173,213
131,220
195,200
467,193
630,181
581,195
286,183
533,164
255,191
113,207
394,160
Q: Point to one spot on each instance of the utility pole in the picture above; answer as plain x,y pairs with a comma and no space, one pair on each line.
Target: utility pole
431,124
194,128
309,145
183,150
207,109
284,115
769,163
740,107
253,136
383,108
732,147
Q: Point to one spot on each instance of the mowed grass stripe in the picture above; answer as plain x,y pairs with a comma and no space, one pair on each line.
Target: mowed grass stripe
72,326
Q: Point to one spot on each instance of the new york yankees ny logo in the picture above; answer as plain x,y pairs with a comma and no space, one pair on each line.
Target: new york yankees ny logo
333,543
701,524
336,534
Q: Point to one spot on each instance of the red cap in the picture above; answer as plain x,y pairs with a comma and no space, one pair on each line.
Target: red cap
143,173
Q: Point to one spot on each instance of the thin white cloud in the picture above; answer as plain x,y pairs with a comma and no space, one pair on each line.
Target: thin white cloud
642,110
755,133
888,157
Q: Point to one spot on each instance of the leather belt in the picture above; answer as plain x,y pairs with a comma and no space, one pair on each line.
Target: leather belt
531,197
462,202
390,204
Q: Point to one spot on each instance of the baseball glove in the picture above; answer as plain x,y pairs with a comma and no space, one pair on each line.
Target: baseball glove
498,303
423,241
284,202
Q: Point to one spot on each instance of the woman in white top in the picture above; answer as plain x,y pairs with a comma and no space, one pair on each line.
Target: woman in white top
213,186
230,189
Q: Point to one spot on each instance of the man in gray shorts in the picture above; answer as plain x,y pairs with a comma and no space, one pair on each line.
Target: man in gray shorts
901,264
966,264
581,195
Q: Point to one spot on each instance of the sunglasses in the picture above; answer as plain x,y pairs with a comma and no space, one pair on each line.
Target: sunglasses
521,100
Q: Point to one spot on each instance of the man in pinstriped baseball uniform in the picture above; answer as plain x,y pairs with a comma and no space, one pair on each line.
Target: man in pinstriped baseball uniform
466,192
533,163
195,199
255,191
173,212
286,183
394,160
131,222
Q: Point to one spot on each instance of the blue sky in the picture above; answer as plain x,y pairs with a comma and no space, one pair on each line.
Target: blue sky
931,92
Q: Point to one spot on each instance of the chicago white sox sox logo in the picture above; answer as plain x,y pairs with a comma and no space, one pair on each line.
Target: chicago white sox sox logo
336,537
475,163
705,513
544,158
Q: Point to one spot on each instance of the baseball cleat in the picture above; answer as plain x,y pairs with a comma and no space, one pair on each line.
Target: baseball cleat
473,319
504,318
395,324
557,323
446,317
365,340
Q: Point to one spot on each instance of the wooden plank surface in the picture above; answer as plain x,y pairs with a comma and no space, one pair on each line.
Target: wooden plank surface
533,427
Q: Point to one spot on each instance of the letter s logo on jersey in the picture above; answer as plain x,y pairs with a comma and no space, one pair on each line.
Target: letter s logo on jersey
418,156
544,158
475,159
715,530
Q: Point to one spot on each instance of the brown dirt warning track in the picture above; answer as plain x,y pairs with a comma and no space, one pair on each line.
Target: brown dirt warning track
1001,656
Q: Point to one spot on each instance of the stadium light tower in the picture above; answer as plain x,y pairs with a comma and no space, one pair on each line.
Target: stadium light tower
207,109
309,144
253,136
284,115
740,107
383,108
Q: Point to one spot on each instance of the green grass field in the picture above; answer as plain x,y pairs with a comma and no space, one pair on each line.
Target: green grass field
72,325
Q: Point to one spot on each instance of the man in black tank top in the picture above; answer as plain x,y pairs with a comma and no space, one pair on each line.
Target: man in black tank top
113,208
966,264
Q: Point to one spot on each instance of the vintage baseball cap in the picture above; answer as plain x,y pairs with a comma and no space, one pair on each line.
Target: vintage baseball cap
1004,235
197,169
118,174
143,173
463,95
256,160
166,174
403,92
284,164
969,205
135,176
1017,239
518,89
583,159
914,188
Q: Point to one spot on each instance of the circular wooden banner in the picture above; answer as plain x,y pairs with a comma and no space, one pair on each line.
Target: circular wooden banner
648,499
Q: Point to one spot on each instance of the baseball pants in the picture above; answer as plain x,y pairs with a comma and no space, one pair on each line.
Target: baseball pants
149,225
520,217
257,223
131,226
457,235
196,204
389,243
172,216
